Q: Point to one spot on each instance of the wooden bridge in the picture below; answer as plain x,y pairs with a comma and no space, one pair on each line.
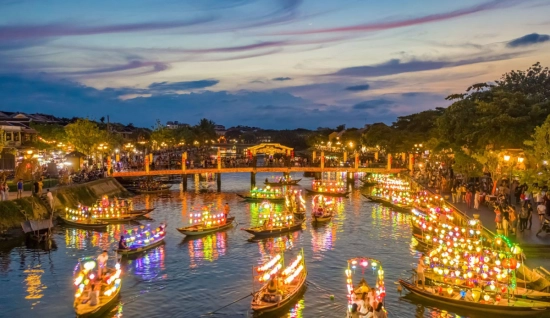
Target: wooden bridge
284,170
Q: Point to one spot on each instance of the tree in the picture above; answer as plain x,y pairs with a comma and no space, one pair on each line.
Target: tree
162,135
466,165
538,145
84,135
383,136
205,130
102,120
50,134
339,128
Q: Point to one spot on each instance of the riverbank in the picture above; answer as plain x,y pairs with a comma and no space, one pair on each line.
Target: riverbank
13,212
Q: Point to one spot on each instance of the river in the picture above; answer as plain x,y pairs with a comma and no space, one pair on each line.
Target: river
189,278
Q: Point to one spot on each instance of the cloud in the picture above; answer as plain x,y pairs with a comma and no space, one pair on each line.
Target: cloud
153,67
396,66
18,32
373,104
358,88
281,79
379,26
529,39
182,86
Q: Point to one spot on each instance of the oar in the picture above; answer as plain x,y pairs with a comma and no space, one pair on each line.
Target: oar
213,312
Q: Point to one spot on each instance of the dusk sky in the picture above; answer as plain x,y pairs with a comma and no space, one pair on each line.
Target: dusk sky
267,63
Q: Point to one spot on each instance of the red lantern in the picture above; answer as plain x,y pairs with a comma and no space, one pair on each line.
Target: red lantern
513,263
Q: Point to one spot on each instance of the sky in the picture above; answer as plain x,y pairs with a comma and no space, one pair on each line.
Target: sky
278,64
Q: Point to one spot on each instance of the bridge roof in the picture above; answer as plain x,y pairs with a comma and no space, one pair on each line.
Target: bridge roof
269,147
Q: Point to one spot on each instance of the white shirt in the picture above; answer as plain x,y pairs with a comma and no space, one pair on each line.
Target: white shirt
102,260
541,209
50,196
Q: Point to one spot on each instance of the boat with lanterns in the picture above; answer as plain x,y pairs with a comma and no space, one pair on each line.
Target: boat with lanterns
82,219
295,203
328,188
393,193
151,186
273,222
114,211
205,221
266,194
362,293
142,238
281,285
283,181
87,280
323,209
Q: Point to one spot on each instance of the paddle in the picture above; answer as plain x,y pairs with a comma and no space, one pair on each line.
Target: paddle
213,312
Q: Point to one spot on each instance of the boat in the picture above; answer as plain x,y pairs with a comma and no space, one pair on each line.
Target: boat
323,209
362,290
115,211
200,229
295,203
274,222
282,286
397,207
90,224
84,276
151,186
282,182
153,191
452,297
143,238
328,188
260,195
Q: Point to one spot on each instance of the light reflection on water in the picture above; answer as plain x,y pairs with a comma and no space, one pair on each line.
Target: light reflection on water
191,277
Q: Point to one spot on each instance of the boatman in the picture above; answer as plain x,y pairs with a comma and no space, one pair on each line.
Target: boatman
102,263
226,210
420,271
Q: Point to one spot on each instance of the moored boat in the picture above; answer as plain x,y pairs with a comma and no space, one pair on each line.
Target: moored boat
142,238
282,286
87,281
328,188
282,182
362,294
323,209
274,222
452,297
265,194
397,207
90,224
204,228
262,231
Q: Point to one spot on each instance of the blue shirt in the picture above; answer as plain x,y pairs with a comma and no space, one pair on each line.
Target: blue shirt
20,185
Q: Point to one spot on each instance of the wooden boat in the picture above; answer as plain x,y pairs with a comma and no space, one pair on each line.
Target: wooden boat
200,229
92,224
284,183
264,301
122,217
517,307
367,184
140,249
256,199
299,215
145,191
108,294
329,194
394,206
260,231
362,287
140,211
321,219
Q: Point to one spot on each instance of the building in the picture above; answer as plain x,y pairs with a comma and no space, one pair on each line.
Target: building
220,130
176,124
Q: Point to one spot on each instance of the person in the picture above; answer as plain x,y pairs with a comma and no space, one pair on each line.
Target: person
35,186
512,218
122,243
379,312
354,313
505,220
102,263
420,271
529,214
453,194
469,199
94,295
523,214
49,196
6,191
541,210
498,218
20,189
370,312
226,210
476,200
40,185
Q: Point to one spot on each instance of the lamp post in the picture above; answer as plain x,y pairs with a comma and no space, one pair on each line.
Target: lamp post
507,158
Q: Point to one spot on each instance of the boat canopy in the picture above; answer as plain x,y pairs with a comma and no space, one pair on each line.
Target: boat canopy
36,225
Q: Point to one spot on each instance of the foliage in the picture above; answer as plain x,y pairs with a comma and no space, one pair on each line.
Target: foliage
490,161
382,136
84,135
539,143
162,135
204,131
466,165
51,133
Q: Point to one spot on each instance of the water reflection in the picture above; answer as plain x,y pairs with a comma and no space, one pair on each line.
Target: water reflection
323,238
274,245
82,239
297,310
208,248
149,265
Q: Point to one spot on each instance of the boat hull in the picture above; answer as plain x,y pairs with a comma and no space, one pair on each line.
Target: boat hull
133,251
259,308
395,207
93,226
253,199
152,191
100,310
330,194
190,232
280,184
478,307
258,232
320,219
126,218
